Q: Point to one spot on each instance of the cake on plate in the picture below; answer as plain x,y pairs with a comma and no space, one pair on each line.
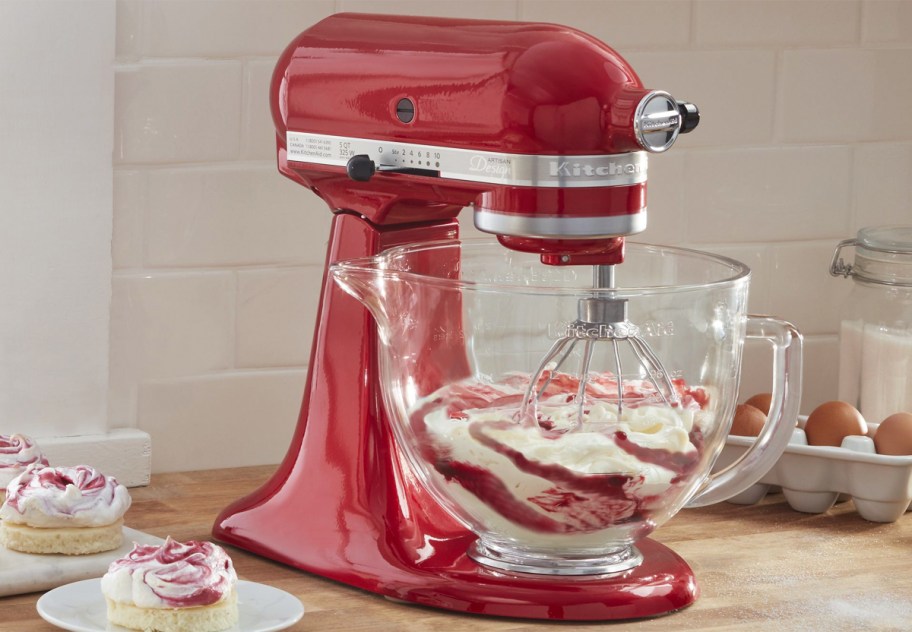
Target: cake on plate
70,510
173,587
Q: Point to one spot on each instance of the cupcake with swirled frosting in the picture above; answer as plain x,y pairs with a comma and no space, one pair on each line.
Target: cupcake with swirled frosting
17,452
174,587
70,510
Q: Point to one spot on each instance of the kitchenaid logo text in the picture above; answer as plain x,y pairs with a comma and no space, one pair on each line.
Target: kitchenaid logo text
504,167
442,334
565,168
665,122
606,331
490,166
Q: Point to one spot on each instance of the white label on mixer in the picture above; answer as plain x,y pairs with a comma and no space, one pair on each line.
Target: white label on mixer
601,170
301,147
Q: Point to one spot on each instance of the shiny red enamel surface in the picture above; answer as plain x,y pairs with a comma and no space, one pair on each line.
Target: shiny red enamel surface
482,85
500,86
566,202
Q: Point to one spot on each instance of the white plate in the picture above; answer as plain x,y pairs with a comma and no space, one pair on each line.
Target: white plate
81,607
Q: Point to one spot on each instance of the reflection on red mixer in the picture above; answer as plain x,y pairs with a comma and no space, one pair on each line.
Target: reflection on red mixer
556,474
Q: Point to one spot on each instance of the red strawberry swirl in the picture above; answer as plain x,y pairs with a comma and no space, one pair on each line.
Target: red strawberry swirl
78,496
17,452
173,575
565,468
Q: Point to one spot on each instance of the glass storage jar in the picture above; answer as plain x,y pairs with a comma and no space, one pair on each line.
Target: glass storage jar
875,336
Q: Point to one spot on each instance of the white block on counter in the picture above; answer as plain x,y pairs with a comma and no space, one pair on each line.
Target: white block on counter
124,453
24,572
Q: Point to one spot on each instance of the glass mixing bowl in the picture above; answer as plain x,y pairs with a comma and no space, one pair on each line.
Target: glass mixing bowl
564,478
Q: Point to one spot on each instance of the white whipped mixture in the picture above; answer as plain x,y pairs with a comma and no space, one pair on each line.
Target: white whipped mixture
17,452
590,448
174,574
50,497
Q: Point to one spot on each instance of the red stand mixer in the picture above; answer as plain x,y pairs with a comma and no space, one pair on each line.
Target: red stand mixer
398,123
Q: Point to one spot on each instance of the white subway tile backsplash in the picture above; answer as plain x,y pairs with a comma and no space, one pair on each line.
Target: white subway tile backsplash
752,23
221,420
177,112
227,28
477,9
821,371
768,195
237,215
756,370
758,258
276,314
166,325
844,95
220,258
173,324
622,24
130,194
667,221
806,76
258,132
886,22
734,89
801,288
129,29
883,184
819,375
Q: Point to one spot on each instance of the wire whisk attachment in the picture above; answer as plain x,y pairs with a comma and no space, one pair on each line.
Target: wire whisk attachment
601,319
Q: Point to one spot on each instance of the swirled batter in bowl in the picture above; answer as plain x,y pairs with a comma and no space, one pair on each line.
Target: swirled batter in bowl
565,469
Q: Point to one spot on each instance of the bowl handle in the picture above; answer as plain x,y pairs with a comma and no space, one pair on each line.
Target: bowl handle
773,439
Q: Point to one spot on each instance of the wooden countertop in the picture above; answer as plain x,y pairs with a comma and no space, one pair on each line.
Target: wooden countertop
763,567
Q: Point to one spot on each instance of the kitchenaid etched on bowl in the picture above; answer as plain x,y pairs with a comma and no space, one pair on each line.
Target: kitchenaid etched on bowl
566,480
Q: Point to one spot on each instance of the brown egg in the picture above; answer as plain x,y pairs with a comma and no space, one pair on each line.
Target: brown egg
894,435
831,422
761,401
748,421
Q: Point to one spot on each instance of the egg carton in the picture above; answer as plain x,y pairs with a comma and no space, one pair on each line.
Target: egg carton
814,478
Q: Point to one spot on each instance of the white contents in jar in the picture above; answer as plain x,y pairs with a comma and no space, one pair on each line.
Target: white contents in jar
875,369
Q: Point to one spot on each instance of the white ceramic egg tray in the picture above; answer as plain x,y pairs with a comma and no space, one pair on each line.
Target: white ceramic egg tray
814,478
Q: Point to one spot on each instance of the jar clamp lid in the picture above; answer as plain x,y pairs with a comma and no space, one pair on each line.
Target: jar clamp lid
883,255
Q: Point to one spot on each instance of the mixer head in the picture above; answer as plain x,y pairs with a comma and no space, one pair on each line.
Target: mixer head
542,129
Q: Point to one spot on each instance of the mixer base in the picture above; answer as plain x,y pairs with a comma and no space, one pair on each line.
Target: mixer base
662,584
